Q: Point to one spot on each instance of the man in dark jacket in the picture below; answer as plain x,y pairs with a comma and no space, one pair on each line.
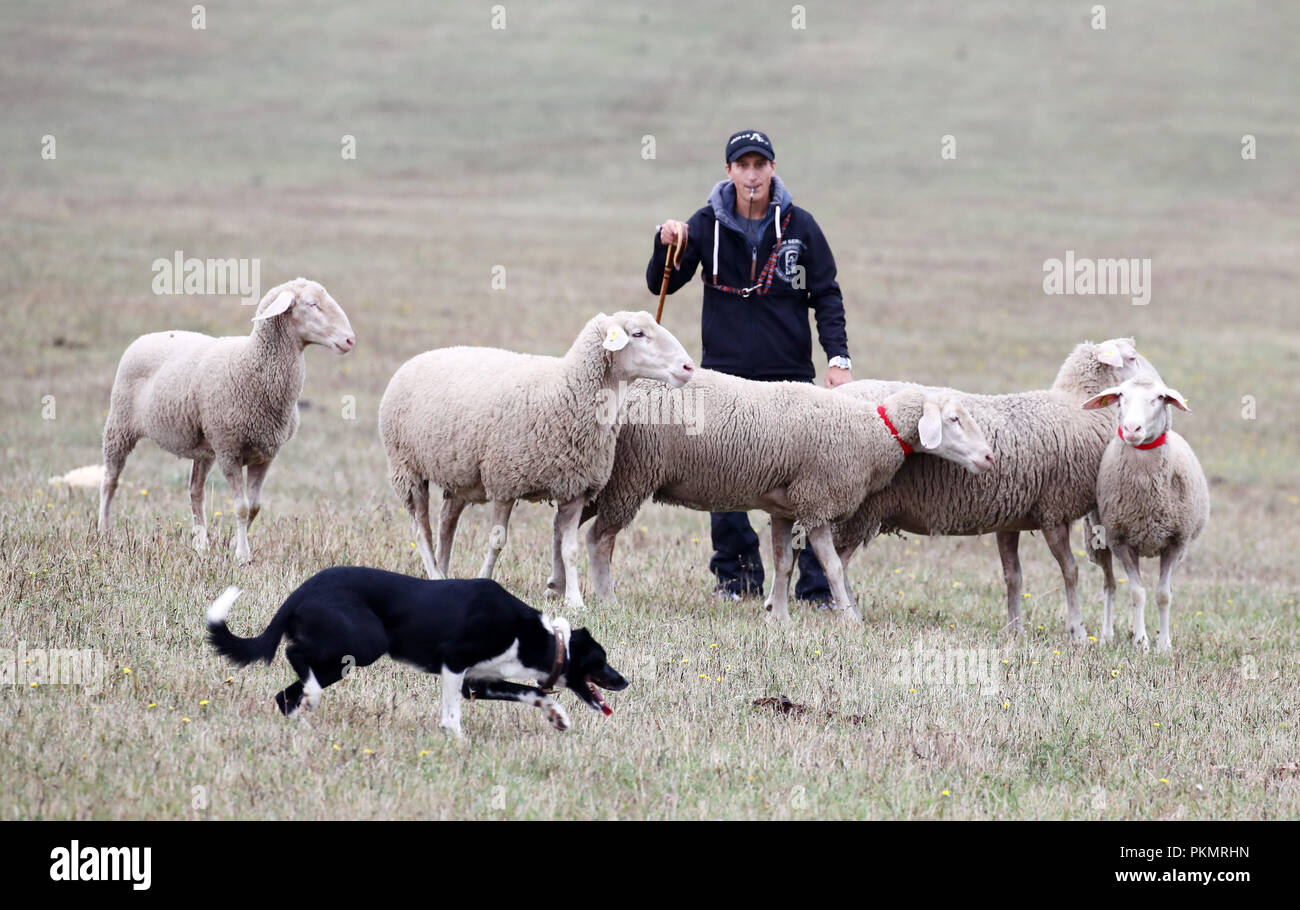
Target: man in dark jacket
765,264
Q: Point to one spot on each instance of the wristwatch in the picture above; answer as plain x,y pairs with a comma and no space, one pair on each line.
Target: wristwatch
841,361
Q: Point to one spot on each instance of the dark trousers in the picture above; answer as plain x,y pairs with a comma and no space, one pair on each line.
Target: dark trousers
739,567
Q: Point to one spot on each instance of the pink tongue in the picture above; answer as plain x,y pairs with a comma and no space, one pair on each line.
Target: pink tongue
604,706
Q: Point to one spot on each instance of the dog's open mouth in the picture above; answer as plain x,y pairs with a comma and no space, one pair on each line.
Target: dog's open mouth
596,697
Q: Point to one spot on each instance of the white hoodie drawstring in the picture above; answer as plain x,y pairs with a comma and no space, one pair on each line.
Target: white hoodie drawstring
715,249
778,223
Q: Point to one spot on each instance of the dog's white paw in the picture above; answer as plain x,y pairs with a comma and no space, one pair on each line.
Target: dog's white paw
556,715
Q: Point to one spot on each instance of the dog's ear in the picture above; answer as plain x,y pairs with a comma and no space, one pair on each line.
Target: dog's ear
582,645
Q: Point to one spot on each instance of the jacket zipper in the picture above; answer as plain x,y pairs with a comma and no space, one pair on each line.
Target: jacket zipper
753,263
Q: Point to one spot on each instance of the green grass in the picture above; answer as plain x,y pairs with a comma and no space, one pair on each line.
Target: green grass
522,148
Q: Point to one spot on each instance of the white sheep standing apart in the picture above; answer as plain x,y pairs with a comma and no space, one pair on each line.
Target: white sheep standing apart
487,425
796,451
1152,496
1045,477
231,400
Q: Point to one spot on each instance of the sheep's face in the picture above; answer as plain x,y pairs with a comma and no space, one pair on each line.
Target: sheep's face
642,349
315,316
947,430
1143,407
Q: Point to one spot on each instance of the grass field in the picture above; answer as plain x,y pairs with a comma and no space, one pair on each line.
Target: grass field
522,147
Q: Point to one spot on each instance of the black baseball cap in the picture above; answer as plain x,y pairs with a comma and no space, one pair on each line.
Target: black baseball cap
747,141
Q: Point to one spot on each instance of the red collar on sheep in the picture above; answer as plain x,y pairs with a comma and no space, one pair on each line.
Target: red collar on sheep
1158,441
907,449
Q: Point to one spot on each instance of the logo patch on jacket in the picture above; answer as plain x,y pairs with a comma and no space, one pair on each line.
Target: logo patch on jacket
787,259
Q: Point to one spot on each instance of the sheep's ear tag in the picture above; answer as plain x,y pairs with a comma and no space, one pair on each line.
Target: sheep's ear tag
1102,400
615,339
278,306
1111,357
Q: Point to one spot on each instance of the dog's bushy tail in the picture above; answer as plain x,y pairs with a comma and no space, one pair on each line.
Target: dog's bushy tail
243,650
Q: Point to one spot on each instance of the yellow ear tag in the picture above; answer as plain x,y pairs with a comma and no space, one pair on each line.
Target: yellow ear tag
616,339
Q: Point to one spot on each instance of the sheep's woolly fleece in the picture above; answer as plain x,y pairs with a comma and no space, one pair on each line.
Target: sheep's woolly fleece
195,395
1047,454
492,425
746,439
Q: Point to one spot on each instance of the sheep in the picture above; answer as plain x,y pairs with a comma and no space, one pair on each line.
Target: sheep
488,425
231,400
1152,496
91,475
1045,477
796,451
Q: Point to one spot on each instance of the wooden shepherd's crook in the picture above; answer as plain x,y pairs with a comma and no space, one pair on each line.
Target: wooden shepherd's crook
671,261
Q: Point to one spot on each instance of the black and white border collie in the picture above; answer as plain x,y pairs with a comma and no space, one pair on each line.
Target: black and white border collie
475,633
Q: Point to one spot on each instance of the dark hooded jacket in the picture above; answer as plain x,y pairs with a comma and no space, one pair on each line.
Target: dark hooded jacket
760,336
